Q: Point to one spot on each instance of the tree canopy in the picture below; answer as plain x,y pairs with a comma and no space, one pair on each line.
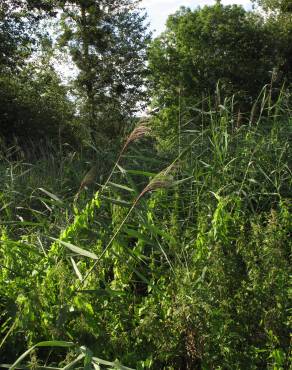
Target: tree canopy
107,43
106,40
212,53
282,6
214,43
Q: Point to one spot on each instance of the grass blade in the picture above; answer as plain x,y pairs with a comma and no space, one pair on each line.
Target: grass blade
53,343
75,249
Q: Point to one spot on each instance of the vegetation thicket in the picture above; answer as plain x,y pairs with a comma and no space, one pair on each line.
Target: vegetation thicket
167,249
225,45
106,43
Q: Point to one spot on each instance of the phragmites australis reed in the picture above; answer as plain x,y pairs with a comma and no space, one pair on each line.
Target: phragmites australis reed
87,180
163,179
138,132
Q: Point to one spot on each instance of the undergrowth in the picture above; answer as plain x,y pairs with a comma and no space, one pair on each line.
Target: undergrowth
187,269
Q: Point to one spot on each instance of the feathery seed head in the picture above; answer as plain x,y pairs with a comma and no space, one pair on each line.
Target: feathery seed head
139,132
163,179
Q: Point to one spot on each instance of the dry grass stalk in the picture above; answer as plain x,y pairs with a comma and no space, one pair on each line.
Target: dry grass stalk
239,119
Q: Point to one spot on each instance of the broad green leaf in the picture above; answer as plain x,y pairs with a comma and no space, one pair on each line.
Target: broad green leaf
144,173
182,181
78,273
136,234
143,158
99,361
117,202
119,186
114,365
75,249
51,195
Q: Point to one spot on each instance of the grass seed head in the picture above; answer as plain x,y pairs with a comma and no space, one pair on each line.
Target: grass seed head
139,132
162,180
88,179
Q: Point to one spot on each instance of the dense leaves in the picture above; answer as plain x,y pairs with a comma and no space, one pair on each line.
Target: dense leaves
194,275
170,251
216,44
107,43
34,108
282,6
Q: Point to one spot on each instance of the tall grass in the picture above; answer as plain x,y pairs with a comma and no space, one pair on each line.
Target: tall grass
180,268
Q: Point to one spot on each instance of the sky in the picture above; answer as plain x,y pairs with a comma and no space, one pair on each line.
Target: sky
158,10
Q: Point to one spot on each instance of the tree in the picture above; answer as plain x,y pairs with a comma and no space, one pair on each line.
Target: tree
107,42
279,20
282,6
19,32
210,54
14,38
34,107
214,43
33,103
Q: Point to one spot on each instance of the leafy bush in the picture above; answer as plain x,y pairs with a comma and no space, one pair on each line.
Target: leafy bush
184,269
35,108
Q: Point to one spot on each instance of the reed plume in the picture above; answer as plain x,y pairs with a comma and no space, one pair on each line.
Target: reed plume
163,179
138,132
88,179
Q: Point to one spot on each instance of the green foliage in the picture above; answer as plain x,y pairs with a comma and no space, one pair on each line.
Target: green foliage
14,38
177,254
217,43
107,42
283,6
19,32
279,21
192,275
34,106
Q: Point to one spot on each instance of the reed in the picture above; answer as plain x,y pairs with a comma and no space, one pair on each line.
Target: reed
153,277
